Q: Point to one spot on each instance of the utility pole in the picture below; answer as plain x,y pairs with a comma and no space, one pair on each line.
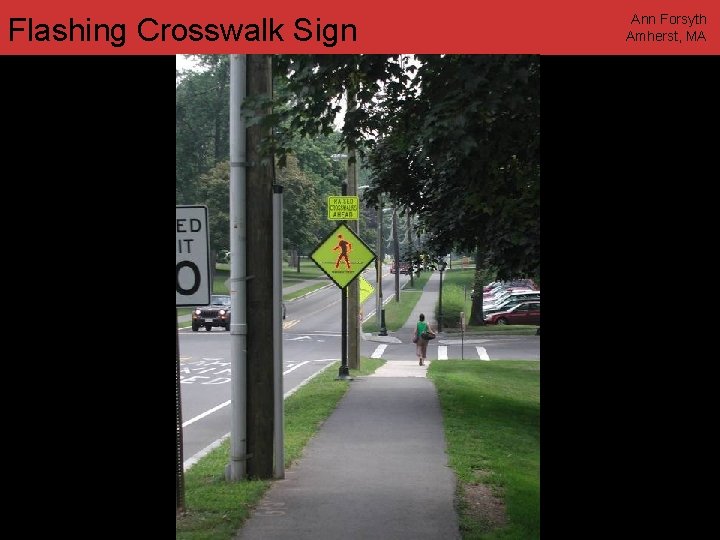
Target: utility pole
236,469
260,364
353,288
396,253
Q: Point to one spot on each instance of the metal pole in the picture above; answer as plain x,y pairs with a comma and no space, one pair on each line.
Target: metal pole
278,439
353,287
440,314
238,240
396,254
462,335
344,372
179,473
382,331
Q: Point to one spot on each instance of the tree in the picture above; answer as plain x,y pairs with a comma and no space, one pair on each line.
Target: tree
303,218
303,222
201,124
458,144
213,190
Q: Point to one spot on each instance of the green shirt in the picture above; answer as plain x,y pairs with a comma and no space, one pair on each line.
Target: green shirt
421,327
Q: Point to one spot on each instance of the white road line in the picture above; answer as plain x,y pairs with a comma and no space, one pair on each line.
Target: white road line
203,415
295,367
202,453
310,378
482,353
210,411
442,352
379,351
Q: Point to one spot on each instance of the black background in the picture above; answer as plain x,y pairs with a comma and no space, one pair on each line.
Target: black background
88,189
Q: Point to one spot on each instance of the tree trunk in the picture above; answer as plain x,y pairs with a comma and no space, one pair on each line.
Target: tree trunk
477,317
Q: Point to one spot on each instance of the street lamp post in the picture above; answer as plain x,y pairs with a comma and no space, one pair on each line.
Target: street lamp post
382,330
396,253
440,310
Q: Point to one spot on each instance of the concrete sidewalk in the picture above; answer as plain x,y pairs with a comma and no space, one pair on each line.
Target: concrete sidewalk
377,469
425,305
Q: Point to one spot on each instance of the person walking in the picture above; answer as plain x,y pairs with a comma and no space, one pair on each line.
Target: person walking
421,343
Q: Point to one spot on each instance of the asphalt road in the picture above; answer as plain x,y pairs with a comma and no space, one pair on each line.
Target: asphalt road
311,341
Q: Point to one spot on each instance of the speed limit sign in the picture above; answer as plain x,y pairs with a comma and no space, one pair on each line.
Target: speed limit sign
192,256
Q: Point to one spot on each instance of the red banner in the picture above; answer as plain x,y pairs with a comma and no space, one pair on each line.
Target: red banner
551,27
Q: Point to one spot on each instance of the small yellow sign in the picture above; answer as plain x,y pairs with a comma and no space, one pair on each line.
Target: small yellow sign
366,289
343,207
342,256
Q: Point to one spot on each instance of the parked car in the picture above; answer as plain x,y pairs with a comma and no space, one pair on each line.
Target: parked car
512,299
405,268
217,314
523,313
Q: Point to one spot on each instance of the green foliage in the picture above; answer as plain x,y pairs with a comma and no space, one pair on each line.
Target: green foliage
213,189
465,157
201,124
457,145
453,302
219,286
303,208
202,150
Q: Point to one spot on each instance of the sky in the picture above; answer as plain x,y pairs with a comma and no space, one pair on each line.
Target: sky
183,61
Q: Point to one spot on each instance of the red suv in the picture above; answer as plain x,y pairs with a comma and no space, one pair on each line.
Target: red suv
523,313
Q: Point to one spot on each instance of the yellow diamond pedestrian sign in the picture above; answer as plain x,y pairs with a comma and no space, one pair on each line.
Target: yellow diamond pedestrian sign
342,256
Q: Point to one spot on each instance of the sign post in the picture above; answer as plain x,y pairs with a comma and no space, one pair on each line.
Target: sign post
192,287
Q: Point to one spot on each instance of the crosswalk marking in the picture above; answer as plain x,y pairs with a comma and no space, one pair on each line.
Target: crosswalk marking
442,352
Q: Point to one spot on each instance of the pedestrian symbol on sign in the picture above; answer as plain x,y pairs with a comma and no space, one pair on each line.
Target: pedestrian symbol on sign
344,246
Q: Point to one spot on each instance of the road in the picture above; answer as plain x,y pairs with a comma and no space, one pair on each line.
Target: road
311,341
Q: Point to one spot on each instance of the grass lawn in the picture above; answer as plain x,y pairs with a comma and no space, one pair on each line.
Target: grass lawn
306,290
491,413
